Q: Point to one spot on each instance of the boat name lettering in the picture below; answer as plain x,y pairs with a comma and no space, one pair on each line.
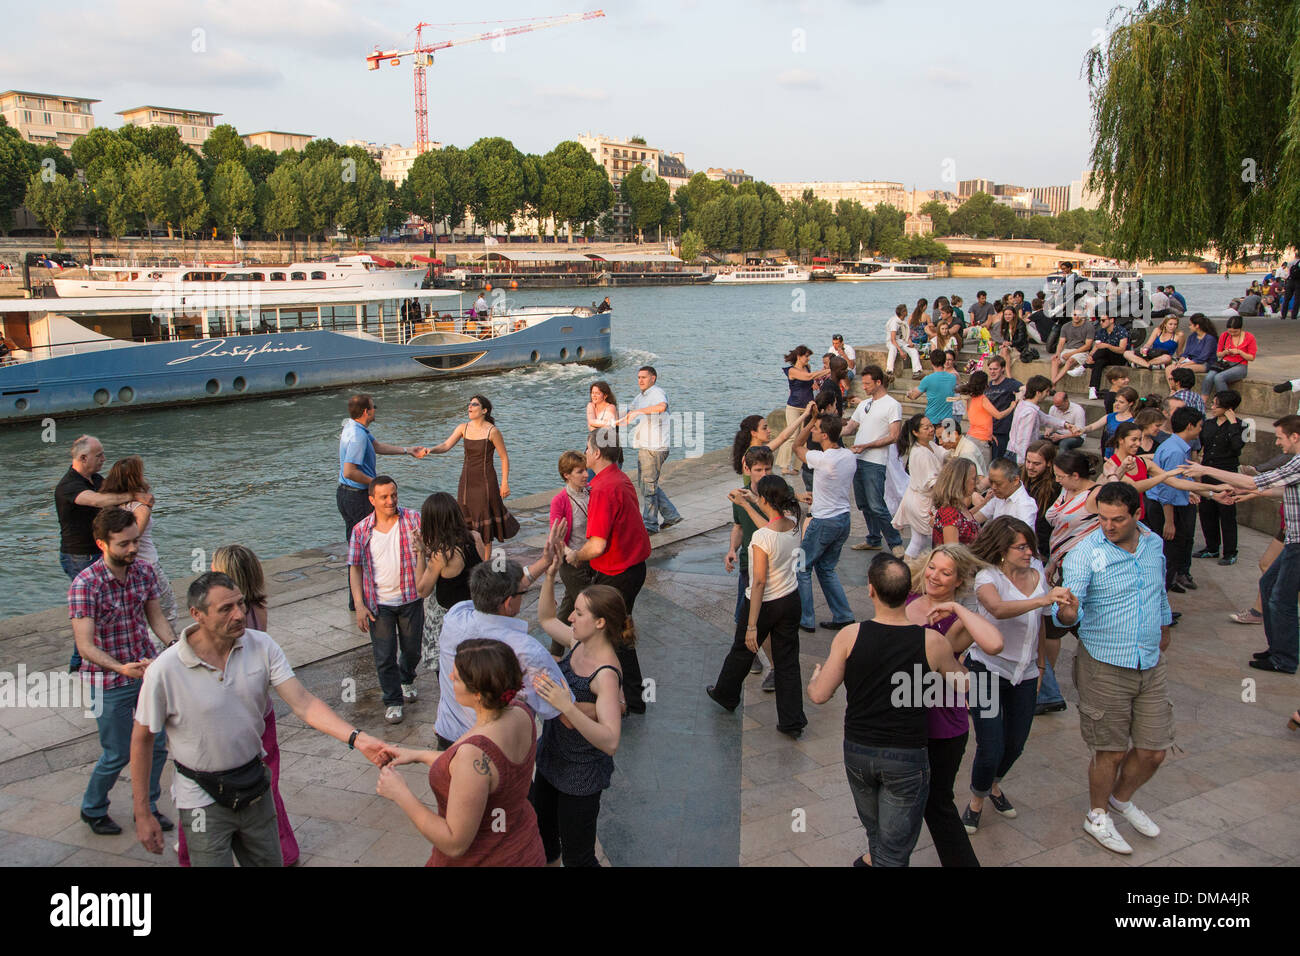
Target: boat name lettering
215,350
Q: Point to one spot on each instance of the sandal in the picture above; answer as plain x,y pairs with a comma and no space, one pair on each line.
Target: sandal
1293,722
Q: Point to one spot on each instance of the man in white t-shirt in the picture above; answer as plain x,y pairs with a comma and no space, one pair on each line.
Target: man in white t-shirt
384,564
833,469
846,352
650,438
1074,416
898,338
1009,495
876,423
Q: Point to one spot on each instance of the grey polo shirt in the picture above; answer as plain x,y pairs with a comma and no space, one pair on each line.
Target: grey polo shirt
214,719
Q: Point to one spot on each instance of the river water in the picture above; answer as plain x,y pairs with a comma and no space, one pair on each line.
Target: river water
263,472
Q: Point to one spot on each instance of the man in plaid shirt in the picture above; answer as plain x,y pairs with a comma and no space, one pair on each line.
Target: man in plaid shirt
384,557
109,603
1280,585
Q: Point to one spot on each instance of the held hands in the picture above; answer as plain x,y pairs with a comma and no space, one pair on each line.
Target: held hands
1062,596
418,452
391,784
376,751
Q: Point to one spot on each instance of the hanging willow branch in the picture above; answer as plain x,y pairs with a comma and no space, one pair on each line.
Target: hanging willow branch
1196,125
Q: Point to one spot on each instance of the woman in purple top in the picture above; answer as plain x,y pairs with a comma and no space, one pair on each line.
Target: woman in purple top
937,577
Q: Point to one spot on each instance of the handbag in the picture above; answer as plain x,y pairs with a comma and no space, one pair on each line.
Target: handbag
1217,365
233,789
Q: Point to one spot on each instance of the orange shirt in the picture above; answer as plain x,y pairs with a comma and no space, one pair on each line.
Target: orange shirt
979,413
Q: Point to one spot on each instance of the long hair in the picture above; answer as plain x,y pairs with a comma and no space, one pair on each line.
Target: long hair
965,563
241,564
975,385
796,353
607,602
950,484
487,408
604,389
918,312
998,536
907,437
1044,489
127,474
442,526
777,492
744,438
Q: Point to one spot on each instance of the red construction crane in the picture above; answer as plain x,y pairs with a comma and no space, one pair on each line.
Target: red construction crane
423,53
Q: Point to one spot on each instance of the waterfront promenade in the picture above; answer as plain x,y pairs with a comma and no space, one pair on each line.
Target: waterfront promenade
696,785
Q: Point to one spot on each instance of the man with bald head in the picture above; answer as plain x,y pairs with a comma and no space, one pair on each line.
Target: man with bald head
77,499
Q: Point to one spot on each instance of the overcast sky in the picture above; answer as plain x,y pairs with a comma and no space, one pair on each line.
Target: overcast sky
905,90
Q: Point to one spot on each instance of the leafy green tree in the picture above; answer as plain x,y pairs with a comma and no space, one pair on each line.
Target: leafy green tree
223,145
54,201
260,161
282,208
162,143
439,186
692,245
809,237
939,216
363,209
886,228
184,205
648,198
1196,117
1044,229
783,236
322,194
497,194
773,212
749,221
62,163
16,168
230,197
576,189
719,226
698,193
974,217
146,191
1005,223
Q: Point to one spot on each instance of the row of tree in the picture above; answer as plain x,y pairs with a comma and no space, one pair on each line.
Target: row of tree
980,217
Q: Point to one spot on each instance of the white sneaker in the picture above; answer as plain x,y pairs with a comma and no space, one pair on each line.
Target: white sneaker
1142,823
393,715
1092,393
1103,831
409,692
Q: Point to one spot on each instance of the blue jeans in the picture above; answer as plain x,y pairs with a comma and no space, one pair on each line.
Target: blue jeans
1218,381
869,496
889,788
1069,444
116,723
393,628
1050,691
655,507
72,565
822,543
1000,737
1278,589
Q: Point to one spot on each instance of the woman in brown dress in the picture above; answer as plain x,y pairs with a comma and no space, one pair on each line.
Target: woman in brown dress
479,495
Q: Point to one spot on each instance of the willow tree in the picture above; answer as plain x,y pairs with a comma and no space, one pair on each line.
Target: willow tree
1196,119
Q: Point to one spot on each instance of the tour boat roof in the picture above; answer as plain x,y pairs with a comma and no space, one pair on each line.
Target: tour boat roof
140,303
634,257
532,256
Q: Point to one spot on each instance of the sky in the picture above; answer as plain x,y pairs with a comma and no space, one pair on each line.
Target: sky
923,92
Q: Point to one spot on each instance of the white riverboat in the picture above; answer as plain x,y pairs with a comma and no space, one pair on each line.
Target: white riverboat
767,272
865,270
361,273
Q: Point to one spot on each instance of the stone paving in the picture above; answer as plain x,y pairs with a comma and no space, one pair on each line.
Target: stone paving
694,784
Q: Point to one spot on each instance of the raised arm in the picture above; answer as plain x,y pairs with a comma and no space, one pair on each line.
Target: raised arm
450,443
547,617
98,499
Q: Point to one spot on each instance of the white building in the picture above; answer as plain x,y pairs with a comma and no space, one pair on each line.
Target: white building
1080,196
48,118
195,126
868,193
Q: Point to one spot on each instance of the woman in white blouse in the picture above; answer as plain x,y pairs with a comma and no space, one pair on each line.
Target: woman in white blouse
1012,593
923,457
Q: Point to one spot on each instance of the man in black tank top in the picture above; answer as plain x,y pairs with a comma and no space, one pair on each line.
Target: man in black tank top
887,665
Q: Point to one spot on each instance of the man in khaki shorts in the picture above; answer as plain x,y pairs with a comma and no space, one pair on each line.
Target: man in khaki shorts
1116,577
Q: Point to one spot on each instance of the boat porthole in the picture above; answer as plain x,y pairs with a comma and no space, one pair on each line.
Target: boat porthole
564,353
240,384
533,357
291,379
125,394
101,396
213,386
581,351
21,404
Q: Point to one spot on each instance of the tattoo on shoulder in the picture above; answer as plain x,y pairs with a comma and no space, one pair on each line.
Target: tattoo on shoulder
483,765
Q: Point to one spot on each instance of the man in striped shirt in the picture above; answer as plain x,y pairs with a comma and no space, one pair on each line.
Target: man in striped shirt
1116,577
1280,585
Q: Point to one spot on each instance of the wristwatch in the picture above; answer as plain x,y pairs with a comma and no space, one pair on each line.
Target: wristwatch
352,741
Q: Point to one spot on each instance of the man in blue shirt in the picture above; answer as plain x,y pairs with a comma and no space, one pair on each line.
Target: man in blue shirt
937,387
1170,512
1117,598
357,450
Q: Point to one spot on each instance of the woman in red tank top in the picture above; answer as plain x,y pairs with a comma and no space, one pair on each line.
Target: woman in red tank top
1127,464
481,783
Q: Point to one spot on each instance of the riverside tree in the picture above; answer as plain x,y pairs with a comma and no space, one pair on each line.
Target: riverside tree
184,206
55,201
230,197
1196,124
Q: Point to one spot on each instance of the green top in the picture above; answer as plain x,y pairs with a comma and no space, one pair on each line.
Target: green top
747,528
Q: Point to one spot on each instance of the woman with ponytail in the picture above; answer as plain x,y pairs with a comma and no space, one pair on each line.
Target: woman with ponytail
754,431
772,607
577,755
484,776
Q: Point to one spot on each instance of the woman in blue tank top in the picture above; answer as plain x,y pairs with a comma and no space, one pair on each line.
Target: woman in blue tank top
575,758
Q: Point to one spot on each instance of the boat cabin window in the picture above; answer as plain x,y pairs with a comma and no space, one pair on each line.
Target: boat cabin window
318,275
298,276
277,277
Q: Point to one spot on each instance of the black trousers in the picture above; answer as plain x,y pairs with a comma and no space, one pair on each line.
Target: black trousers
1219,524
567,823
1178,551
941,817
1101,359
354,504
779,620
628,583
999,444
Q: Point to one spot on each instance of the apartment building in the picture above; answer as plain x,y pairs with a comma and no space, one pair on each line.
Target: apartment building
619,157
733,176
869,193
195,126
48,118
277,141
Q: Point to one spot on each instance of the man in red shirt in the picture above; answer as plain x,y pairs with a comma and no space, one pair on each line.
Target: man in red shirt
617,545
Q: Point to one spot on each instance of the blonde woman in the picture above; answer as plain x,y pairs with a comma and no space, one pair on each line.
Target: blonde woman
1161,349
955,503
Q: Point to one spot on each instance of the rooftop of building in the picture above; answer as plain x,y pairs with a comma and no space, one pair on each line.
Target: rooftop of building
168,109
51,96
